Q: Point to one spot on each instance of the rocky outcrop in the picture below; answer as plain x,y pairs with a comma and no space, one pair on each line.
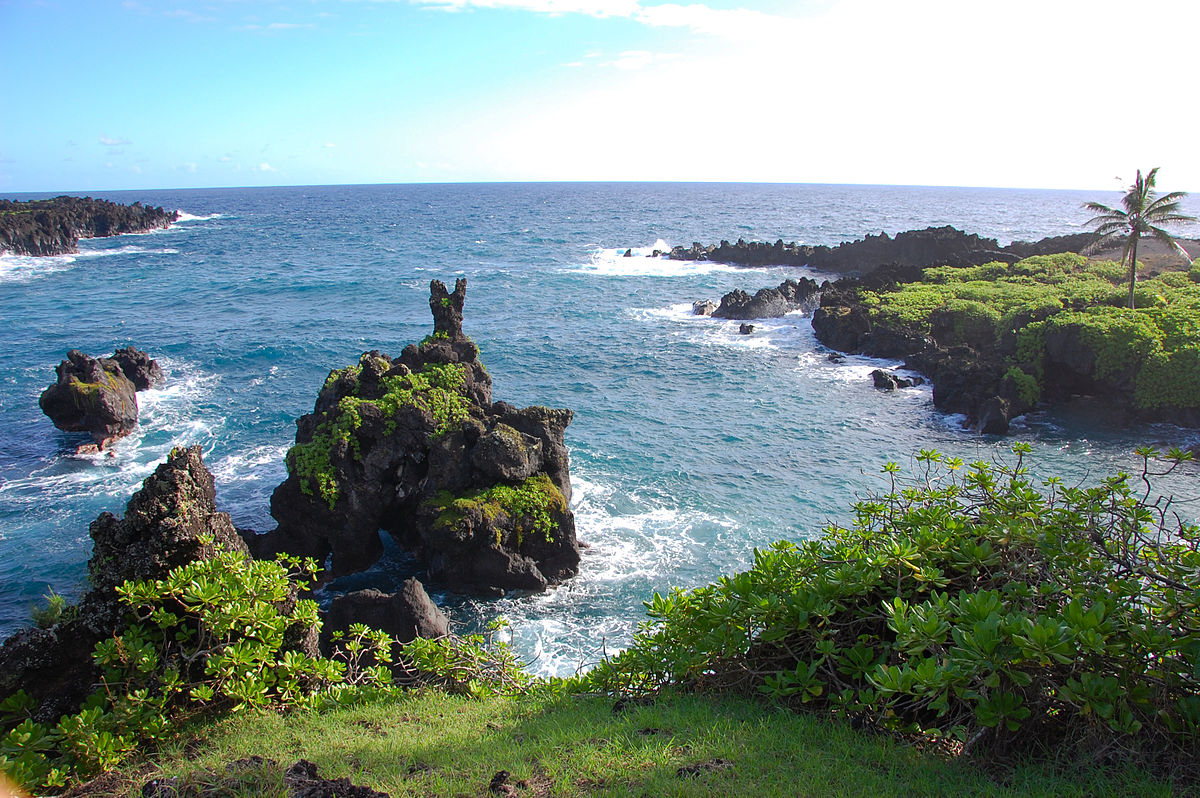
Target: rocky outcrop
98,395
139,368
54,227
168,523
405,615
890,381
968,375
769,303
415,446
933,246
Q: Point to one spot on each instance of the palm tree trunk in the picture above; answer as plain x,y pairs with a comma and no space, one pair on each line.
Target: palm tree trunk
1133,244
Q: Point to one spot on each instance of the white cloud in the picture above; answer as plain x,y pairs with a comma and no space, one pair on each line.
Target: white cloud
594,8
639,59
226,158
265,167
290,26
329,145
109,141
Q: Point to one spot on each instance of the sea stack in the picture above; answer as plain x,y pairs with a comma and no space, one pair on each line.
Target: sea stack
415,446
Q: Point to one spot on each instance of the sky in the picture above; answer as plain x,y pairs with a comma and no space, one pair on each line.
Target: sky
142,94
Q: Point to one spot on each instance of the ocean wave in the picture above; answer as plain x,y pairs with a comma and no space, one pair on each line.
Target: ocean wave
790,332
184,216
634,544
253,465
23,268
606,262
15,269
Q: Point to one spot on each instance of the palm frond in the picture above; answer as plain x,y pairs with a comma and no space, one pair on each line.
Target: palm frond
1107,227
1100,243
1168,239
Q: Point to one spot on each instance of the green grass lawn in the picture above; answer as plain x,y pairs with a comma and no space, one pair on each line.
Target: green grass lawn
431,744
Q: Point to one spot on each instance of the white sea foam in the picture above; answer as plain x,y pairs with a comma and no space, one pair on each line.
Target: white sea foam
184,216
642,263
249,466
789,332
23,268
167,418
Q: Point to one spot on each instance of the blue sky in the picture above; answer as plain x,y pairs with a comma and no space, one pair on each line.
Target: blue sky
106,94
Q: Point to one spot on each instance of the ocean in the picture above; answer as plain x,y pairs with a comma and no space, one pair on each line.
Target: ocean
691,444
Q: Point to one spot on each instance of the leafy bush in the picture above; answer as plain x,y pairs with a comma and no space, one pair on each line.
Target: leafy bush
967,604
216,635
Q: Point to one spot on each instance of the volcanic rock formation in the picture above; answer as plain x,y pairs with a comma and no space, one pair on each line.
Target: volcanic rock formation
54,227
98,395
168,523
933,246
415,446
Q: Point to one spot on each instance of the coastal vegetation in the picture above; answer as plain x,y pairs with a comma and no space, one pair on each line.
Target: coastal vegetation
1047,327
969,609
1143,215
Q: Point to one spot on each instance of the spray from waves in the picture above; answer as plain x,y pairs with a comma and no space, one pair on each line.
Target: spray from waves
642,262
789,333
16,269
167,417
23,268
257,464
184,216
637,544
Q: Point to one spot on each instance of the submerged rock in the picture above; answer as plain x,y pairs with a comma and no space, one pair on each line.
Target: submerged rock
416,447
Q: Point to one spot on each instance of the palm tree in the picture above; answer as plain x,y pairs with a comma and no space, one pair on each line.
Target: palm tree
1142,216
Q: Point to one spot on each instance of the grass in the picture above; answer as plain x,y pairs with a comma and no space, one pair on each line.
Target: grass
429,743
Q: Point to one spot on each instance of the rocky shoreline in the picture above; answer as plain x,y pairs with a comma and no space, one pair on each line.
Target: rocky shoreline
933,246
54,226
477,490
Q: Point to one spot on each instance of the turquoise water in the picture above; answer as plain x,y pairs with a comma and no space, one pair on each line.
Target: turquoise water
691,444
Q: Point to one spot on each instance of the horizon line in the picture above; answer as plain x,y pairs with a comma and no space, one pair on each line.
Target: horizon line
67,192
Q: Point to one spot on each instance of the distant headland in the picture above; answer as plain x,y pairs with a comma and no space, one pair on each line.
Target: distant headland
54,226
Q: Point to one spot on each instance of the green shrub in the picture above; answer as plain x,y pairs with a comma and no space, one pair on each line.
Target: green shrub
970,605
212,637
51,612
1028,389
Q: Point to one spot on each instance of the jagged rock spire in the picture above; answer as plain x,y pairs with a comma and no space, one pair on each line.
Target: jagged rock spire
447,308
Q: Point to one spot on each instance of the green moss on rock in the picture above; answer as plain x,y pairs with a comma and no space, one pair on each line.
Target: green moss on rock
529,505
438,388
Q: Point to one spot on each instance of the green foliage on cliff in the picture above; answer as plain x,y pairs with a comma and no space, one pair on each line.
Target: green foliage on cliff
1153,350
968,603
437,389
215,636
529,506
